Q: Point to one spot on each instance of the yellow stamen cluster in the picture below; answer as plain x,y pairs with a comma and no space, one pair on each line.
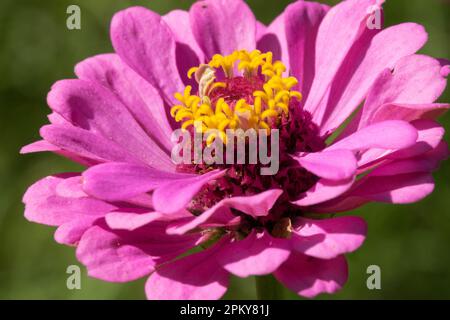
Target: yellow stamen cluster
268,106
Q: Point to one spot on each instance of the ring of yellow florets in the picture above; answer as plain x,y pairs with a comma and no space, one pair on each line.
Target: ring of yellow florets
268,104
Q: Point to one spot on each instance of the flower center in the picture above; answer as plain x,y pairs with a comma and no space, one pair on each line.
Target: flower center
243,90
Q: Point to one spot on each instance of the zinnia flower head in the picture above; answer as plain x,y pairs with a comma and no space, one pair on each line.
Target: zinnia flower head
134,212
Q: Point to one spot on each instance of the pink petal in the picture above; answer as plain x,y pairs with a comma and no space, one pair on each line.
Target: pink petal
333,44
188,53
222,26
139,96
408,112
122,220
309,276
85,144
273,39
257,254
363,65
302,20
120,181
145,42
92,107
122,256
44,205
195,277
416,79
324,190
391,134
328,238
331,165
176,194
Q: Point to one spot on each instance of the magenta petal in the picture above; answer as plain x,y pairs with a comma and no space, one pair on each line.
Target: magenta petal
355,78
137,94
91,106
332,165
144,41
332,46
309,276
324,190
44,205
257,254
302,20
120,181
416,79
390,134
121,220
85,144
195,277
273,39
187,52
409,112
223,26
121,256
176,194
328,238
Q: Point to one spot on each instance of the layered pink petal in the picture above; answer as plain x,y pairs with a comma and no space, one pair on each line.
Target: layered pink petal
122,220
145,42
362,66
122,256
309,276
85,144
43,203
257,254
332,165
195,277
328,238
120,181
223,26
324,190
92,107
188,53
301,21
333,44
137,94
416,79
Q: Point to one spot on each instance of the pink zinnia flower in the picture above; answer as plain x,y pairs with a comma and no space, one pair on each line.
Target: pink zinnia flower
134,213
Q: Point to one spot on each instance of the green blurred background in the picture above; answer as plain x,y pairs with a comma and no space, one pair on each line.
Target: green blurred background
410,243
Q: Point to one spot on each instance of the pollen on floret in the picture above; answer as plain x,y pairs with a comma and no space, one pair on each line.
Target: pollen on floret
243,90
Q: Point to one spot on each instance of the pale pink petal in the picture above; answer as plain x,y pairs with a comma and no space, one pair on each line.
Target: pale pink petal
176,194
187,52
363,65
390,134
138,95
116,181
302,20
223,26
328,238
122,256
145,42
341,27
195,277
308,276
324,190
122,220
257,254
91,106
331,165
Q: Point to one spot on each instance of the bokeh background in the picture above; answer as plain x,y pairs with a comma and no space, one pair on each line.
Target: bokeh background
410,243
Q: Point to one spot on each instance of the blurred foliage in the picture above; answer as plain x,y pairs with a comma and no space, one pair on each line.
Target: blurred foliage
409,243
